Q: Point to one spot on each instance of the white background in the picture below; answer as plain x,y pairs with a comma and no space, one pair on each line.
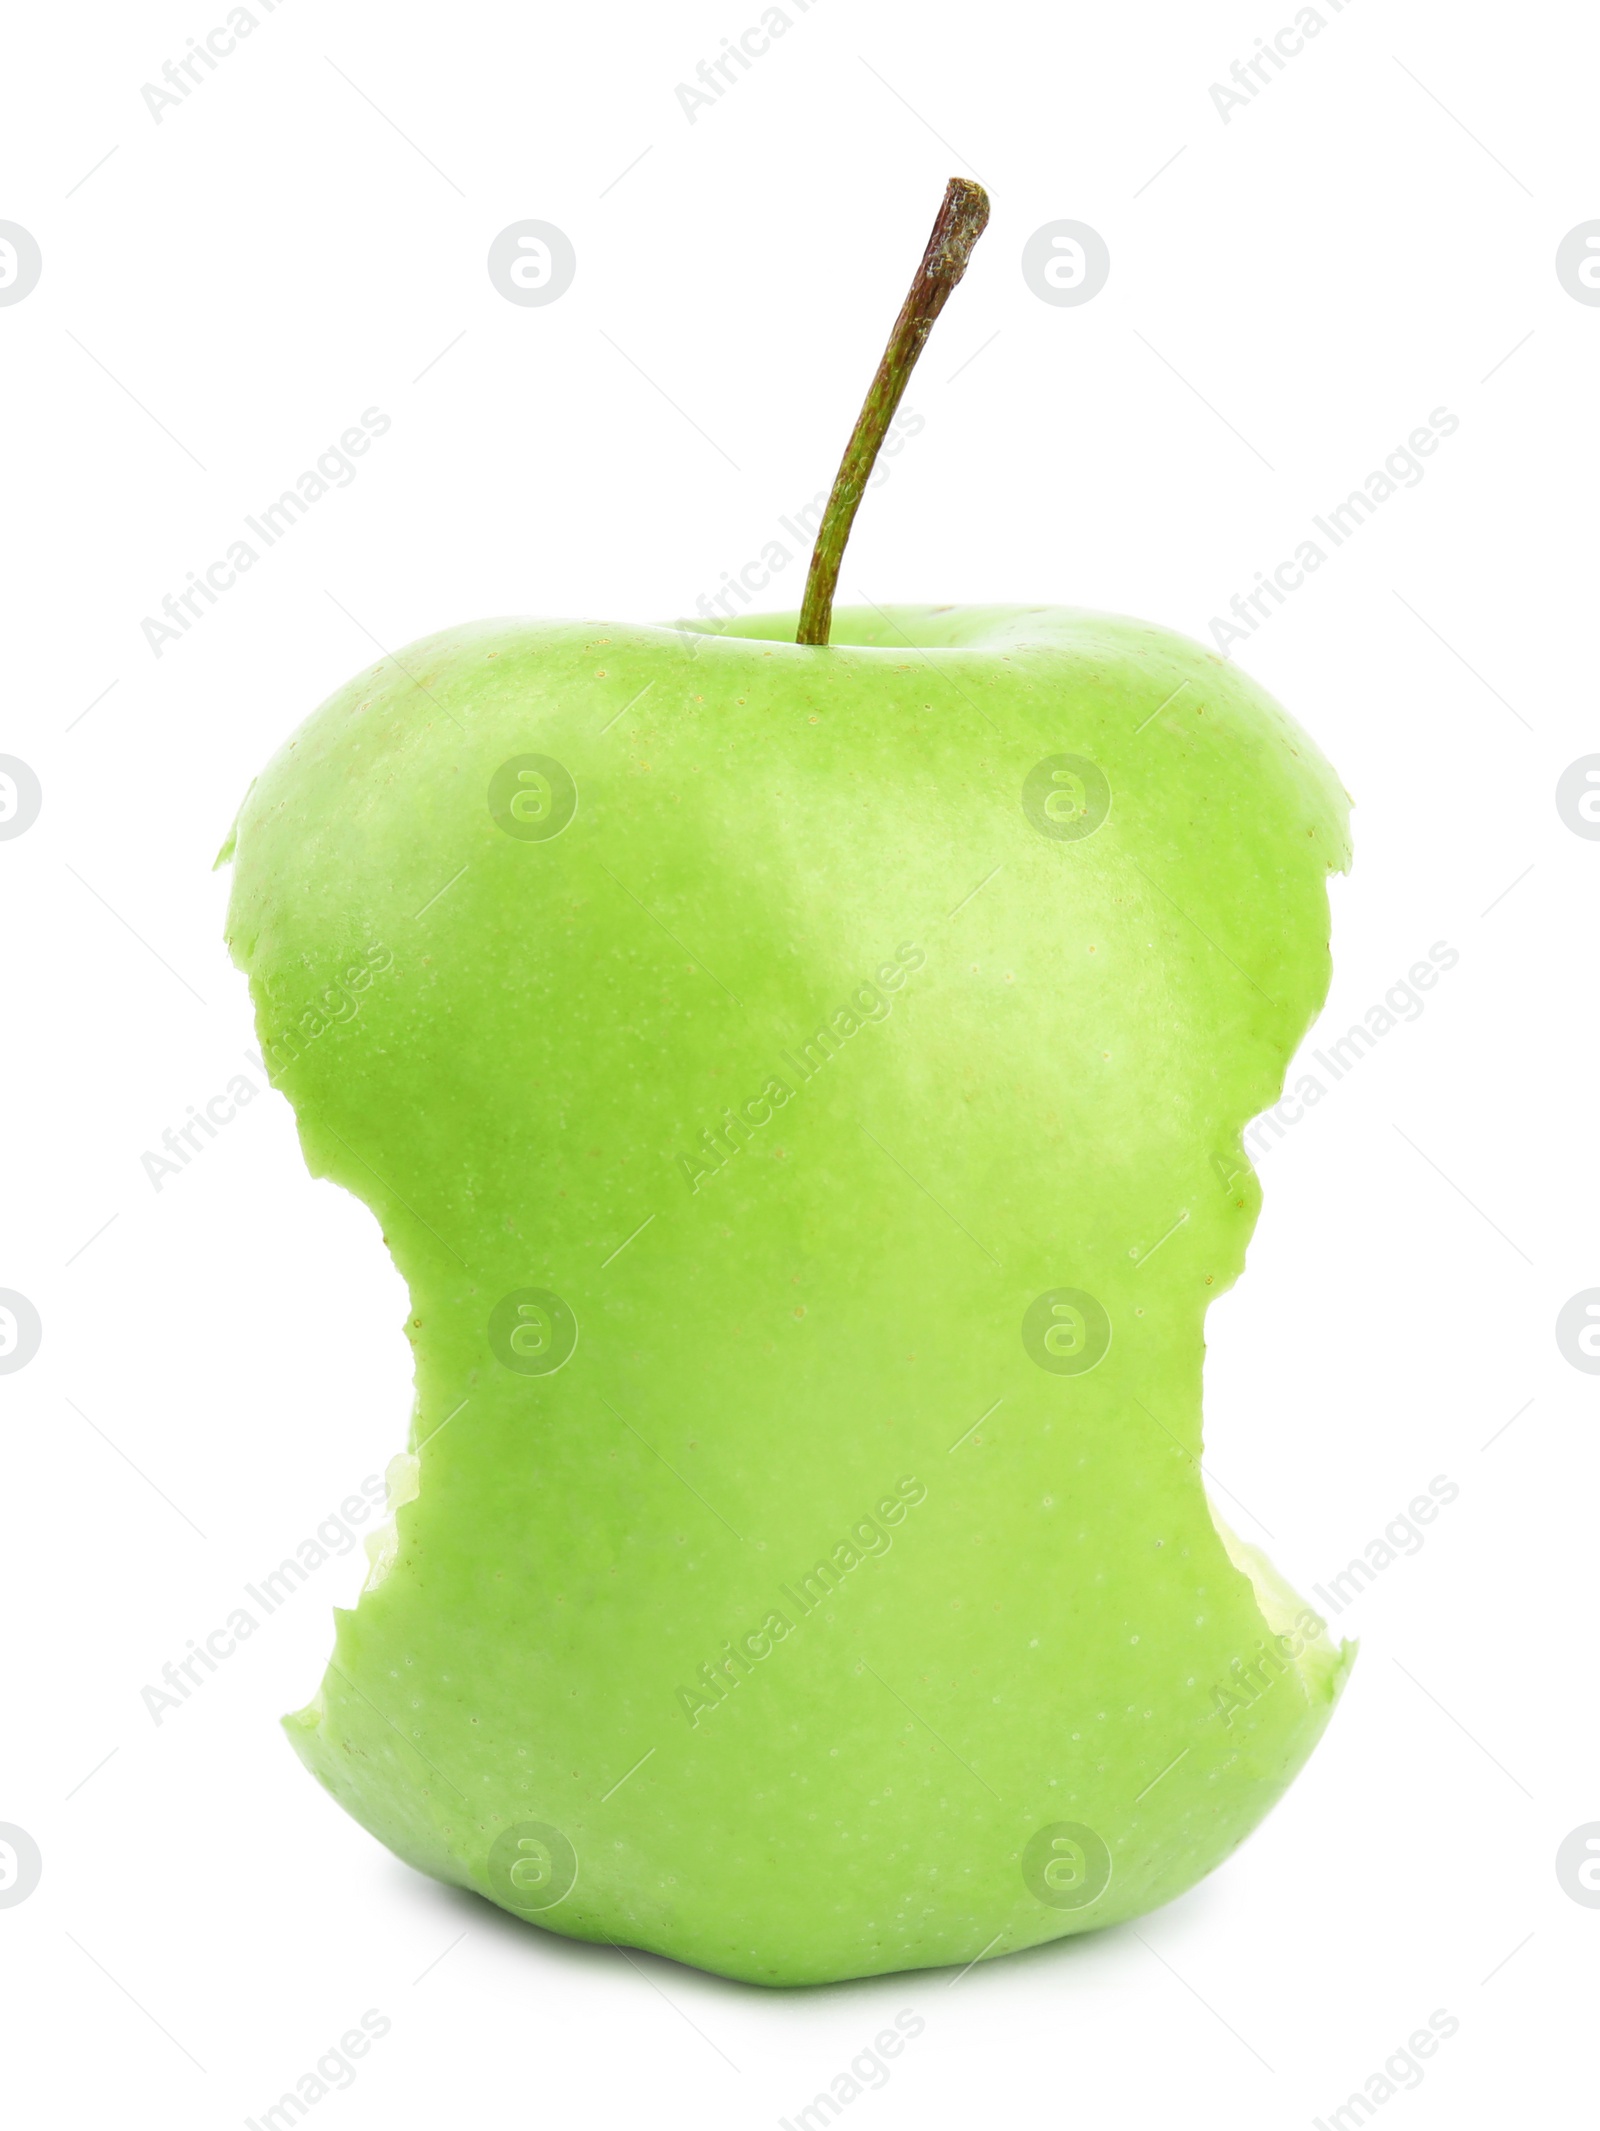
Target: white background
304,236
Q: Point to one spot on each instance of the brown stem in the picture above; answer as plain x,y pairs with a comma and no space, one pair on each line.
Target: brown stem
960,225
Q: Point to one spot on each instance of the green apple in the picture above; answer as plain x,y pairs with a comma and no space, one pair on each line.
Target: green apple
802,1086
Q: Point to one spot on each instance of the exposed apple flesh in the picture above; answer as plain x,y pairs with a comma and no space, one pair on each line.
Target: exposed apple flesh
1051,1005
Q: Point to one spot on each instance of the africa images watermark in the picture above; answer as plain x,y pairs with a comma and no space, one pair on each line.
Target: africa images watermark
867,2070
1401,1002
866,1003
183,76
333,2069
333,1536
183,1142
1251,76
718,608
717,76
1403,468
1400,1536
1400,2070
335,468
334,1003
1249,1680
866,1538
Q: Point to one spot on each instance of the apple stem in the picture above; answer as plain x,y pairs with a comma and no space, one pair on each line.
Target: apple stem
960,224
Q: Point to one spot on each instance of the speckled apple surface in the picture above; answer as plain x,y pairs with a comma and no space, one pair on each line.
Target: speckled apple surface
802,1090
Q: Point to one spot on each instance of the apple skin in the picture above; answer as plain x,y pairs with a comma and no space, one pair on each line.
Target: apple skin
774,1352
